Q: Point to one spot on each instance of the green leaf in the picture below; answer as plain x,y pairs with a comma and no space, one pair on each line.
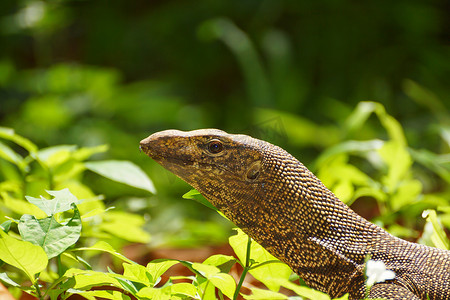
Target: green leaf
105,247
5,278
8,154
102,294
398,162
86,279
184,289
260,294
9,134
126,226
5,226
158,267
53,237
56,155
23,255
223,262
21,207
124,172
61,202
155,293
434,231
195,195
137,273
303,291
267,271
224,282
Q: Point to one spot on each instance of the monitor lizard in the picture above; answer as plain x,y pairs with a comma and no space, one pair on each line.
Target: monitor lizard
278,202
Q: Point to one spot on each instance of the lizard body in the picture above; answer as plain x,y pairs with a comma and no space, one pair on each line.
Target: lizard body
278,202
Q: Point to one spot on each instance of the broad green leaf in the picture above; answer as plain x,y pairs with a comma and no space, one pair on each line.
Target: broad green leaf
223,262
158,267
206,289
398,162
348,147
61,202
433,162
224,282
8,154
23,255
259,255
137,273
434,231
184,289
126,226
299,131
5,278
342,178
102,294
89,279
124,172
195,195
86,152
205,270
260,294
52,236
407,191
56,155
21,207
423,96
104,247
9,134
5,226
156,293
303,291
362,112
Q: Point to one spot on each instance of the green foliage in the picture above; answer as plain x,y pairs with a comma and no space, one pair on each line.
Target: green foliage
392,165
62,229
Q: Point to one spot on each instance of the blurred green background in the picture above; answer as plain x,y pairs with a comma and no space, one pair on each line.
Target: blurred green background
291,72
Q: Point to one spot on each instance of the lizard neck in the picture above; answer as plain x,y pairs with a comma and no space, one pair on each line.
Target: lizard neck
296,218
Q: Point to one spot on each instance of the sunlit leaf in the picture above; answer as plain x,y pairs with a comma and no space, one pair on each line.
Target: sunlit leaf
158,267
104,247
137,273
260,294
163,293
184,289
61,202
398,162
23,255
88,279
434,231
52,236
224,282
223,262
101,294
56,155
302,290
9,134
195,195
265,272
21,207
124,172
126,226
8,154
5,278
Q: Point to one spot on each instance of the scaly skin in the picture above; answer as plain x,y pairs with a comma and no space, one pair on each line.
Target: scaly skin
277,201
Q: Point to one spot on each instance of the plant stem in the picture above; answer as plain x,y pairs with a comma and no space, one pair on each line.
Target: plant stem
38,290
245,270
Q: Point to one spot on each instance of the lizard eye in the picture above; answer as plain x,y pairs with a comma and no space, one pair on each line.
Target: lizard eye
215,147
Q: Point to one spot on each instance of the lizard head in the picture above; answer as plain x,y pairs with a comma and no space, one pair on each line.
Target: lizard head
219,165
